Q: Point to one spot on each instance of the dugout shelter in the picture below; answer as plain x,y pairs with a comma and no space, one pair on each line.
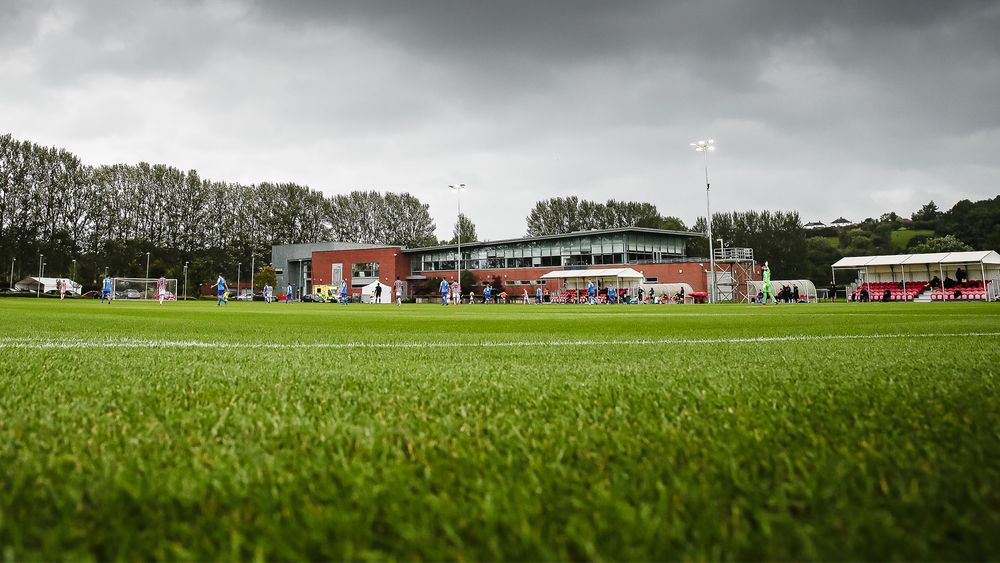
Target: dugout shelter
807,289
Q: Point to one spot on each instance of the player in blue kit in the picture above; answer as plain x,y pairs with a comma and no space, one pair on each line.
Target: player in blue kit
343,292
106,290
445,288
222,287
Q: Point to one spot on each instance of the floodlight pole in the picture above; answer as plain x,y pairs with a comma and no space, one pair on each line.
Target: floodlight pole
185,281
707,147
11,282
40,270
145,282
252,258
457,189
74,270
238,266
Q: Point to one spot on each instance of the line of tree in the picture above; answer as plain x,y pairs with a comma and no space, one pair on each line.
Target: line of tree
97,218
775,236
560,215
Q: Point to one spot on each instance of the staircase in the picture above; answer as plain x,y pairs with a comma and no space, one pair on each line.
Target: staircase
924,297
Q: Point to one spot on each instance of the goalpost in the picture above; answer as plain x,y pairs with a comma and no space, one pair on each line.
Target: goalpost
142,289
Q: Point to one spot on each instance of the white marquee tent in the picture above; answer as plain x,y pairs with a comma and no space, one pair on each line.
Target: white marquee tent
368,293
34,283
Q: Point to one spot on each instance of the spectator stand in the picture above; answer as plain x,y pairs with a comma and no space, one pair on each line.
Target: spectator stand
807,289
924,277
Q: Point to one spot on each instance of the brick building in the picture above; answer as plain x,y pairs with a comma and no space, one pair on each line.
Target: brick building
660,255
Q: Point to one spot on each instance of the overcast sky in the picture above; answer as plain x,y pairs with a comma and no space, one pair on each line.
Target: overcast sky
831,108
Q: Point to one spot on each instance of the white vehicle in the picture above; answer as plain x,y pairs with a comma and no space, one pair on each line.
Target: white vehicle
245,295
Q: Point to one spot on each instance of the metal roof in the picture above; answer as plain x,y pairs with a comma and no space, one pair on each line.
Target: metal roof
595,273
975,257
559,236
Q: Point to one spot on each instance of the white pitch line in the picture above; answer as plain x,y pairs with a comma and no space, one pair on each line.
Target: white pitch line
27,343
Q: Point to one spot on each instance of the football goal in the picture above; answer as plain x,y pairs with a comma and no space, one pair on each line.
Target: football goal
142,288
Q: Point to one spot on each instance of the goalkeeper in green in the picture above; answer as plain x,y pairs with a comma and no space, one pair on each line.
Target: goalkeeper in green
767,286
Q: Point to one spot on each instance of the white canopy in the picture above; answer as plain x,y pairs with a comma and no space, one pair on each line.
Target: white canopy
33,283
623,273
975,257
368,293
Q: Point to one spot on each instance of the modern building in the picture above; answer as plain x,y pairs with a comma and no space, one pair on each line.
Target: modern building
660,255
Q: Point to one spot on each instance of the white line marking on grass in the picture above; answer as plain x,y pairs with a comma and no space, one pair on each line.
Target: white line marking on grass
28,343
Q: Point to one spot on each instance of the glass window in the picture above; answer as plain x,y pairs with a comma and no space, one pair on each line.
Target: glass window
364,270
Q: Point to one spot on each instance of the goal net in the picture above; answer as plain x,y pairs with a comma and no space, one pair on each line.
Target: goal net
143,288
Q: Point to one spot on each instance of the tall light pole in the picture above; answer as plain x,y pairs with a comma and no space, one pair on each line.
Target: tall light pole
74,270
457,189
185,281
11,283
43,272
40,270
252,262
238,266
145,282
707,147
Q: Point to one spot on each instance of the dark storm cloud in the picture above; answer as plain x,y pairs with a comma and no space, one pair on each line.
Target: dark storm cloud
851,108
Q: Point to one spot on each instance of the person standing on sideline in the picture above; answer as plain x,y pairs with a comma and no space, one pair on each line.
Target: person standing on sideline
444,292
456,293
221,287
591,293
472,297
398,290
378,293
62,289
538,295
106,290
343,292
289,294
161,288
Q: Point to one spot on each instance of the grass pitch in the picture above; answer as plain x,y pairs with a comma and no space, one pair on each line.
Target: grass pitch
311,431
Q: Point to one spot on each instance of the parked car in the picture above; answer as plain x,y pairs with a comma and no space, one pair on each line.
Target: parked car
245,295
313,298
128,294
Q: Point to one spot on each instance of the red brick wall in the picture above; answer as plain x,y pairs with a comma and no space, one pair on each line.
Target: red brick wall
392,263
691,273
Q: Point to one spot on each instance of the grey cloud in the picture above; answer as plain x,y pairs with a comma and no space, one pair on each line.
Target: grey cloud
830,107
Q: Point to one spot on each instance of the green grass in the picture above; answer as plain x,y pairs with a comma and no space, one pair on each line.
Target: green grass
901,237
879,447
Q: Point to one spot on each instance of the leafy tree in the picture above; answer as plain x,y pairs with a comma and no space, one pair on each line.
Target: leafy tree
566,215
929,212
974,223
466,228
947,243
468,280
265,275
